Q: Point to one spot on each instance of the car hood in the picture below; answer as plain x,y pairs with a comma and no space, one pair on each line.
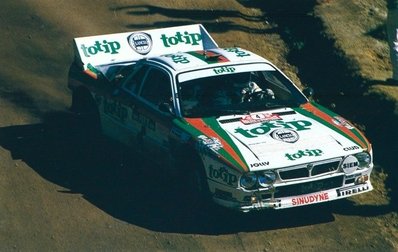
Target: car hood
278,138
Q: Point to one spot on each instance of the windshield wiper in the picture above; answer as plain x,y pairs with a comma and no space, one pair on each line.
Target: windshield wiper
232,110
281,105
269,105
215,111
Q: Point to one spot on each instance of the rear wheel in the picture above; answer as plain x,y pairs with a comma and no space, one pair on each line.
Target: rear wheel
87,126
86,111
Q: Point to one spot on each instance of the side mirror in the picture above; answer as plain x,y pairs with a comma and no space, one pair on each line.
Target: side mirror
309,92
166,108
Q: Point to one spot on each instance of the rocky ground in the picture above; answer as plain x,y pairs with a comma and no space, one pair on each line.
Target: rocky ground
56,195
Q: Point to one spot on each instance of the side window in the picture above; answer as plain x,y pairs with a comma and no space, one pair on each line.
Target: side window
134,81
157,87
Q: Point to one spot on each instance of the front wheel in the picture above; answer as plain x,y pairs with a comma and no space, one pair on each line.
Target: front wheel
196,188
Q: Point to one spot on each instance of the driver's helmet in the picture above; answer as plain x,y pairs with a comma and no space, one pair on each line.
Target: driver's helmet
251,88
254,92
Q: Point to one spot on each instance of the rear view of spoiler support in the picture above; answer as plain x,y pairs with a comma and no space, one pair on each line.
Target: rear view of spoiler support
102,50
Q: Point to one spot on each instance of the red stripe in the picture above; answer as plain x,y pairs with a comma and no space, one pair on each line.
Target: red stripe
314,110
199,124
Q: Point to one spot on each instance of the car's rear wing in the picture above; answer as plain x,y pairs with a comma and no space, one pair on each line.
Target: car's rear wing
95,51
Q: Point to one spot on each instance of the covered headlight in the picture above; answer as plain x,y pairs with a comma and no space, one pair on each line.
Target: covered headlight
357,161
266,179
364,159
349,164
248,180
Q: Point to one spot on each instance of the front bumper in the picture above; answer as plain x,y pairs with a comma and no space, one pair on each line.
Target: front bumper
300,194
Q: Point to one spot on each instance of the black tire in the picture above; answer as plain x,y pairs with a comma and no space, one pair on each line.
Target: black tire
87,126
196,188
86,111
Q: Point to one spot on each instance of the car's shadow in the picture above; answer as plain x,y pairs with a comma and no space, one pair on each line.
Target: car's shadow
132,189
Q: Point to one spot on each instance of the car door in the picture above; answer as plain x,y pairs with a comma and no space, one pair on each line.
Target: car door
118,117
156,90
148,88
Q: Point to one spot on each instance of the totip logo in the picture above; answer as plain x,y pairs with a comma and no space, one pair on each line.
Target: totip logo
140,42
304,153
111,47
185,37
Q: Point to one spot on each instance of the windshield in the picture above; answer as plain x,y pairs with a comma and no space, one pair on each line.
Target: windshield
237,93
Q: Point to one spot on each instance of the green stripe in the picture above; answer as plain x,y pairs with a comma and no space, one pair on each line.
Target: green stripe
214,125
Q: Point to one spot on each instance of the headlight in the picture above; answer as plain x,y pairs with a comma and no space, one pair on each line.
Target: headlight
364,159
252,180
248,180
266,178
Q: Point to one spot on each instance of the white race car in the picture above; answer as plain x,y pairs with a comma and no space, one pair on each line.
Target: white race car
225,117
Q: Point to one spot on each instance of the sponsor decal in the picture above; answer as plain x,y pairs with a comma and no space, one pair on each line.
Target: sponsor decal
185,37
142,119
268,126
115,109
238,52
111,47
223,174
178,58
310,199
259,164
350,191
350,164
304,153
340,121
224,69
140,42
285,135
209,143
351,148
257,118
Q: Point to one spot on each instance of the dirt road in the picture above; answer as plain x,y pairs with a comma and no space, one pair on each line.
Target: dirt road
56,195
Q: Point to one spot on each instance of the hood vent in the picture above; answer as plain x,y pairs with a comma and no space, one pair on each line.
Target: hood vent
230,120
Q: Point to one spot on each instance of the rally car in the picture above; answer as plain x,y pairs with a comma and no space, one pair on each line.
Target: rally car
250,138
